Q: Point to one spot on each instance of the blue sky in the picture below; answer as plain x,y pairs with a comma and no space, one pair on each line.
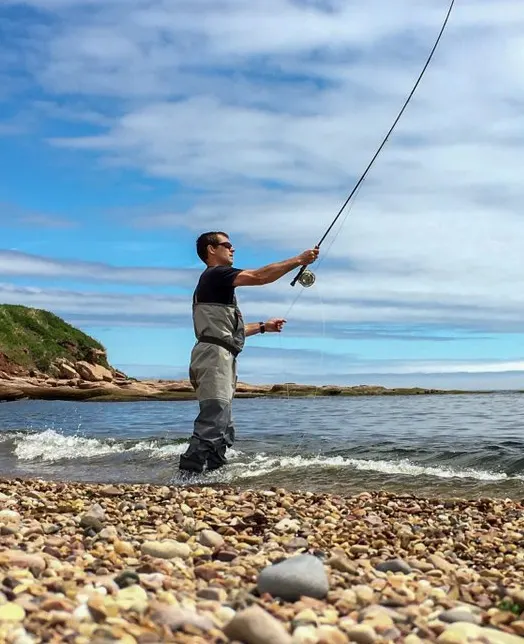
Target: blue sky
129,127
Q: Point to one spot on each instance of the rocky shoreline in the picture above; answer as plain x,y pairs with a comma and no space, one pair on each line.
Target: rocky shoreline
92,382
141,564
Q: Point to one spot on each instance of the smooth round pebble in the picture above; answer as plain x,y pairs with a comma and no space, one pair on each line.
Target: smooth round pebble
294,577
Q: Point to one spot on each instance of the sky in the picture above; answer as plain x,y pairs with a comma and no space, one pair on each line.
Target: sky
128,127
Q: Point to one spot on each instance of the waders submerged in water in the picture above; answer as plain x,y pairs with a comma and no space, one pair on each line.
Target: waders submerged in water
220,333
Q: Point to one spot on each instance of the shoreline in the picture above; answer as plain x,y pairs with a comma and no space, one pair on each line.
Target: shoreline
125,389
141,563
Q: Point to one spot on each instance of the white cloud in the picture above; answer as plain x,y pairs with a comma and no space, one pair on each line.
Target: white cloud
261,366
98,307
235,98
17,264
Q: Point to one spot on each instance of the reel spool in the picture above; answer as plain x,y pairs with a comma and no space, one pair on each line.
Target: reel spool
307,278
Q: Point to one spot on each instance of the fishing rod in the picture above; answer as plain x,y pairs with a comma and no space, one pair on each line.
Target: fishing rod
305,276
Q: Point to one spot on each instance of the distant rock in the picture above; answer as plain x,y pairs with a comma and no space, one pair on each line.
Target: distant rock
66,371
93,372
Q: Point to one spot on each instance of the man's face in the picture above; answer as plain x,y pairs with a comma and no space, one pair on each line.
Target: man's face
224,252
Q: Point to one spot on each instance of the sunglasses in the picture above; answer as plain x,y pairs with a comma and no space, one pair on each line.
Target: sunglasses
227,245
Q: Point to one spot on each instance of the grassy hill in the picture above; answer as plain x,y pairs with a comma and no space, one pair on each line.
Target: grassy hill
34,339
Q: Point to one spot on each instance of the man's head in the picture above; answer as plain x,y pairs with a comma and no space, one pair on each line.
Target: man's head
215,249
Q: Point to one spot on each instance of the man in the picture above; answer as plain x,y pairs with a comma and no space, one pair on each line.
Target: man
220,332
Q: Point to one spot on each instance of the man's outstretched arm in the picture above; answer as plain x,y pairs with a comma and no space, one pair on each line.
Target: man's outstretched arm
274,325
273,272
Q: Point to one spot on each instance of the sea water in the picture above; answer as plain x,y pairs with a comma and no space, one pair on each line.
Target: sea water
450,445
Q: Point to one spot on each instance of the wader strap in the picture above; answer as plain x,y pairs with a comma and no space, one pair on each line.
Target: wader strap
221,343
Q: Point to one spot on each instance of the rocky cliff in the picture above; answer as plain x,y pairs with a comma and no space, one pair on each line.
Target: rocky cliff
34,341
39,350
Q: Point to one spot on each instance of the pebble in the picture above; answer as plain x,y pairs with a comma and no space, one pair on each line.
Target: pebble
362,633
305,635
459,614
462,632
11,612
19,559
108,533
143,564
127,578
331,635
213,594
294,577
94,517
297,543
211,539
123,548
287,525
166,549
364,594
176,618
394,565
254,625
132,598
9,517
440,563
342,564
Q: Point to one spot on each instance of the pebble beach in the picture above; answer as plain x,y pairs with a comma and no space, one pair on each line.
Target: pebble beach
93,563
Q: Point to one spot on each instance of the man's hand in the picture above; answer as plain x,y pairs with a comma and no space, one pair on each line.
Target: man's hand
275,325
308,256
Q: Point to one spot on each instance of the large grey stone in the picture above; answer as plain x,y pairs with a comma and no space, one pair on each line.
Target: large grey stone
294,577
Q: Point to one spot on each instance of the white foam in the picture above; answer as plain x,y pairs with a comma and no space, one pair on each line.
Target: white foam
167,451
263,464
51,445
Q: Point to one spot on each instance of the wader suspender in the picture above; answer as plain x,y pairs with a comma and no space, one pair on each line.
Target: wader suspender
209,339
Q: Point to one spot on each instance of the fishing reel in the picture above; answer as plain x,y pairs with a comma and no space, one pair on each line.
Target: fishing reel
305,277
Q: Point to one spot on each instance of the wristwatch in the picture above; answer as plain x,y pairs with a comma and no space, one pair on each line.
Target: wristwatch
262,327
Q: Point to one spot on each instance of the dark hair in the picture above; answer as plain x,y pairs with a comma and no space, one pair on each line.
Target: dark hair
208,239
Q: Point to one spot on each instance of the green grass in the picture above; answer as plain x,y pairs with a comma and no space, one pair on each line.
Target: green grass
34,338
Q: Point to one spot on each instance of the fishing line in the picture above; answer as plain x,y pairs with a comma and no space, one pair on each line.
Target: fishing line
322,355
305,276
321,301
319,263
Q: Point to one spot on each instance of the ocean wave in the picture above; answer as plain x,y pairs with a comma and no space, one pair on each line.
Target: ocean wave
51,446
263,464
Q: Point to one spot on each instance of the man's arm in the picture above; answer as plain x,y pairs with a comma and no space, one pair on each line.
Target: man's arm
252,328
273,272
274,325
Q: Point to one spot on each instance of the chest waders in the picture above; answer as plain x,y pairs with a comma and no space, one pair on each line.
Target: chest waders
220,333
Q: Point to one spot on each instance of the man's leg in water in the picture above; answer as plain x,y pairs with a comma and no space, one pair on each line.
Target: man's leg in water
211,373
218,458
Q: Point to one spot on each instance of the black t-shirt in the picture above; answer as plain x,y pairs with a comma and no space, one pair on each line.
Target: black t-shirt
215,285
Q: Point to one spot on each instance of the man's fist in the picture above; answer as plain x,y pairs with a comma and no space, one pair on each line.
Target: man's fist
275,325
308,256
